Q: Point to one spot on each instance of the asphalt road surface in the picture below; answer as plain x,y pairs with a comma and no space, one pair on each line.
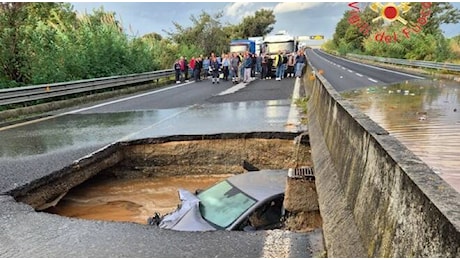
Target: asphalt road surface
346,75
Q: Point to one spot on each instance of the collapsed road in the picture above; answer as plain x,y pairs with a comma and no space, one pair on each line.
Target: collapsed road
67,139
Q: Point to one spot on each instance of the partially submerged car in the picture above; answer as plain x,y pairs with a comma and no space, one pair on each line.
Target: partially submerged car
247,201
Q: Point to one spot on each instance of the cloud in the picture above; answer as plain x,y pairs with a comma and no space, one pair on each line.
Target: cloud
286,7
235,9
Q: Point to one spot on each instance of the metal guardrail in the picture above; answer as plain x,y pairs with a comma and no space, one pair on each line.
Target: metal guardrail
44,91
414,63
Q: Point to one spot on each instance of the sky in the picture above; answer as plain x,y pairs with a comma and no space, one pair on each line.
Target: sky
296,18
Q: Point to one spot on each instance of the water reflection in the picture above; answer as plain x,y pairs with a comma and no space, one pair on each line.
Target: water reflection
85,129
225,117
424,115
74,130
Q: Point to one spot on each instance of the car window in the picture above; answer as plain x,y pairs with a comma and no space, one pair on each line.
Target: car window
267,216
223,203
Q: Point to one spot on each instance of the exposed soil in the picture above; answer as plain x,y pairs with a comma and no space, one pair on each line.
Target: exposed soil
209,157
301,203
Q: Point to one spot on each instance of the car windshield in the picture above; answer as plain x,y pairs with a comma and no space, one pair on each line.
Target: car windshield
223,203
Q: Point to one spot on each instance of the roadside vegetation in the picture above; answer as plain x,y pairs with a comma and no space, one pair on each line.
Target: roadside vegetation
302,104
48,42
428,44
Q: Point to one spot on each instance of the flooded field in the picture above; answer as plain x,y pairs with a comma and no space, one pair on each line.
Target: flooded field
423,115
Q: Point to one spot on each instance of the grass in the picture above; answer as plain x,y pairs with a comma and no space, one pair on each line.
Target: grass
302,103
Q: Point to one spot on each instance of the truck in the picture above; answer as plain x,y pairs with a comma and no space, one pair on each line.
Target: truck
242,45
259,40
281,41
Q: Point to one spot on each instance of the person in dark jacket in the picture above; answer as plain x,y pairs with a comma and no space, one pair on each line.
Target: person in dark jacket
197,71
300,63
186,68
264,65
177,69
214,68
270,67
253,65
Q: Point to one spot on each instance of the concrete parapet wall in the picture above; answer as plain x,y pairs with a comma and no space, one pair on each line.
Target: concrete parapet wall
376,198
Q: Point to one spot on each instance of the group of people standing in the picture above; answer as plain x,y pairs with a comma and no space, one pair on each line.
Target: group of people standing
182,68
240,67
289,65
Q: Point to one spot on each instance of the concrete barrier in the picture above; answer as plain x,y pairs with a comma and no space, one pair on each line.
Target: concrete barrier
376,198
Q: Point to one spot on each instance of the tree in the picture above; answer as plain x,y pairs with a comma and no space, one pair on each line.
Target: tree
12,58
455,47
43,42
440,13
421,38
259,24
341,28
206,33
353,28
209,35
154,36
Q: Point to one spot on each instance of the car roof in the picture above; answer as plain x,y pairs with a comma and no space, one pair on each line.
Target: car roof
261,184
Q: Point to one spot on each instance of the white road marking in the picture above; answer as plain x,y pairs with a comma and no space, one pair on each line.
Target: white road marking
277,244
350,71
235,88
124,99
95,106
293,121
359,75
374,67
373,80
26,123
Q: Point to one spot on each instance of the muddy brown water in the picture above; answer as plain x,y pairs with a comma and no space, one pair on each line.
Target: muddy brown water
135,200
131,200
424,116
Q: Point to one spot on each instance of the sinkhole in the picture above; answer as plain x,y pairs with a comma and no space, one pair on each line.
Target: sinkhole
130,181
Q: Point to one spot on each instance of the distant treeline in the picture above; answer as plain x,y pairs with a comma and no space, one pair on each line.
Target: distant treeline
46,42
